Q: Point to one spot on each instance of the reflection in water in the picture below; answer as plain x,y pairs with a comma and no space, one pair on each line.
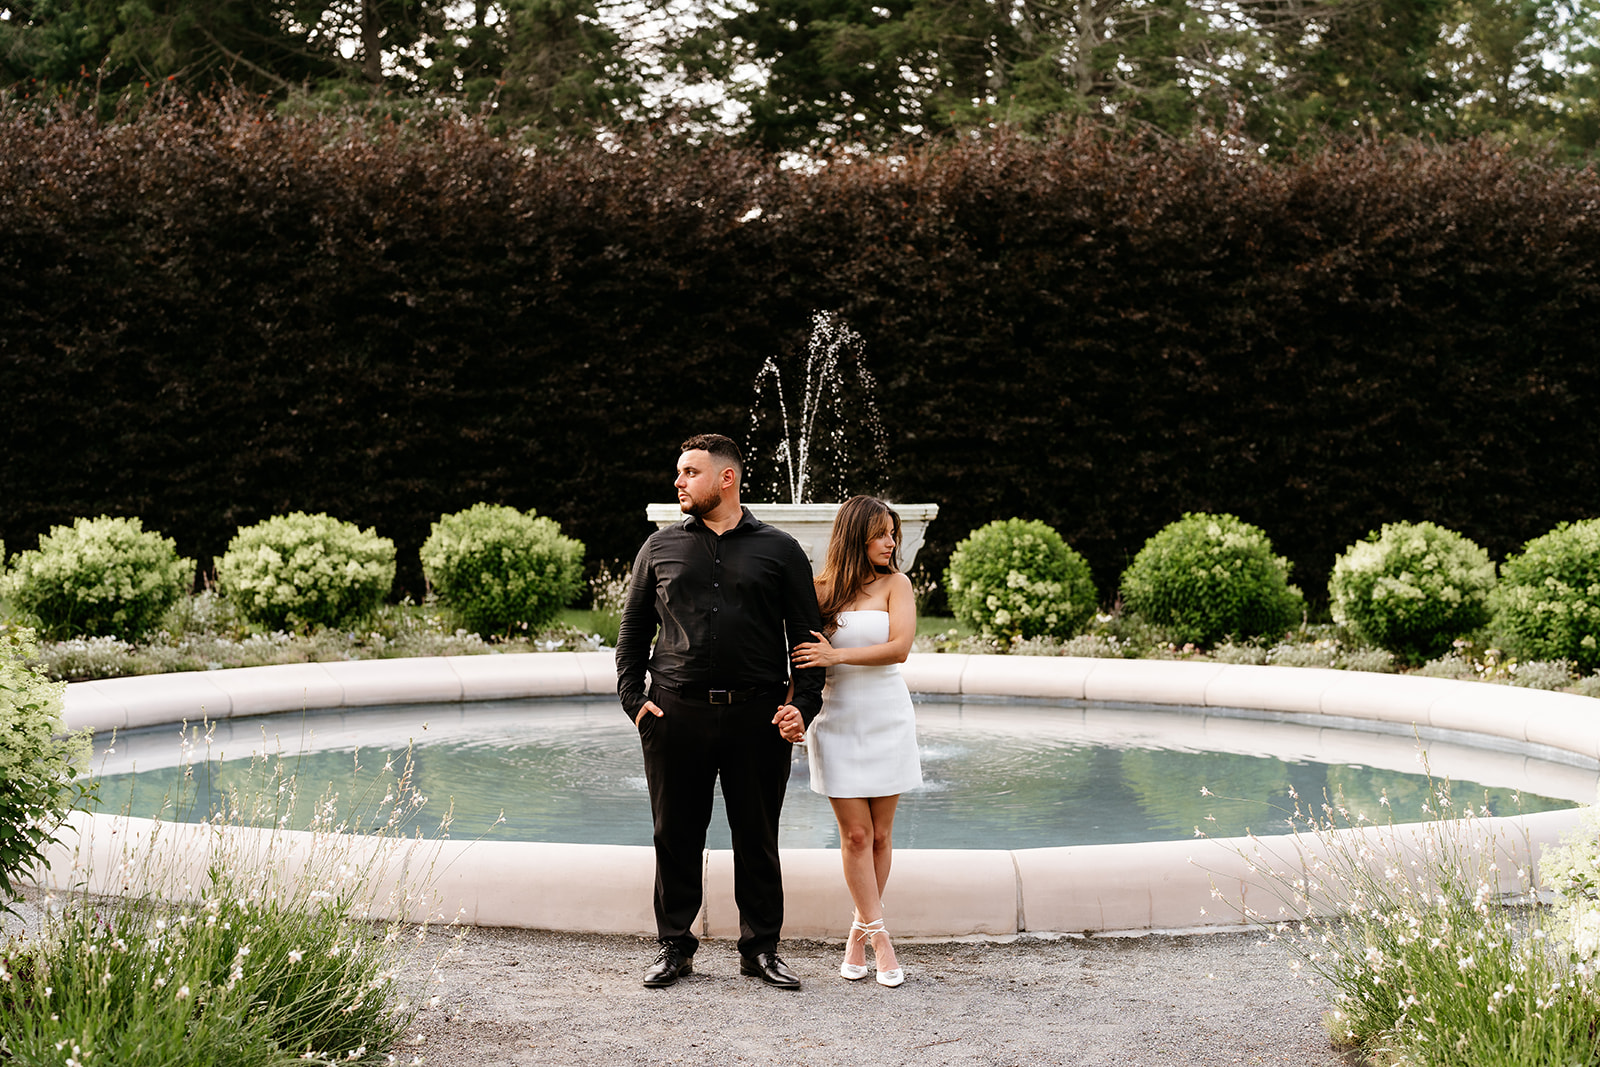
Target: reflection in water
997,776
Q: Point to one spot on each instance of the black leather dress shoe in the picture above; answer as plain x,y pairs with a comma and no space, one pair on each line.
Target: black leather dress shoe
770,969
670,965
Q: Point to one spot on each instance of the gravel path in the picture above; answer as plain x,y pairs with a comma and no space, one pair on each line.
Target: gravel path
527,997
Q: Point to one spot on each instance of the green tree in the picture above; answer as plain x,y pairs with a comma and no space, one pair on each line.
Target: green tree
1525,69
1522,70
374,45
876,73
87,47
540,66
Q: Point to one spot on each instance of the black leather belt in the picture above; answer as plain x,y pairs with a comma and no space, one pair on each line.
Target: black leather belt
717,696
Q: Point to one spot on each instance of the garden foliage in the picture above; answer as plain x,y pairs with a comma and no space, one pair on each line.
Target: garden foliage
1547,605
1204,578
1018,579
301,571
1412,588
98,577
233,943
36,762
1407,923
500,569
211,314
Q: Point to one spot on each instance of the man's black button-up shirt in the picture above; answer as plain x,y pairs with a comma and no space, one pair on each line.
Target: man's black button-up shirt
729,609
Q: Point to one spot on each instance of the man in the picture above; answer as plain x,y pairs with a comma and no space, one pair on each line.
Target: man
731,596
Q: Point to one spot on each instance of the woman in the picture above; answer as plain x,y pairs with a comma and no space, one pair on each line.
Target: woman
863,745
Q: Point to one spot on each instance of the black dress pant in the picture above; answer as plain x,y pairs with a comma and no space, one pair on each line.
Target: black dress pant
685,750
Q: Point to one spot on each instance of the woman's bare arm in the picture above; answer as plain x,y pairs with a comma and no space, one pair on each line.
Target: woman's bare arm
902,629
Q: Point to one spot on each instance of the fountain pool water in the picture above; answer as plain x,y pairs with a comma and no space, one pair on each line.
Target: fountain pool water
1009,776
1529,740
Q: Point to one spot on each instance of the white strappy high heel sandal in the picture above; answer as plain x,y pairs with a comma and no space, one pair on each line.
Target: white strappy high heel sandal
856,971
885,978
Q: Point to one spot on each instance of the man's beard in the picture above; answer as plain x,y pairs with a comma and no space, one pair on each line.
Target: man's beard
703,505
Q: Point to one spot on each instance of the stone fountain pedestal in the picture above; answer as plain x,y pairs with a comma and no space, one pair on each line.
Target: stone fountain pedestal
810,524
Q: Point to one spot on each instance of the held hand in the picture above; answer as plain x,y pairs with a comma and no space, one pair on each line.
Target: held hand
818,653
790,723
649,708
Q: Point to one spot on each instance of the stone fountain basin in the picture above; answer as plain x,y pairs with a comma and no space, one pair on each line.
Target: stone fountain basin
935,892
811,524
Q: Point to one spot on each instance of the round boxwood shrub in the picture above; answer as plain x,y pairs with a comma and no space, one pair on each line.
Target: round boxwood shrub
1209,577
1412,588
301,571
500,569
1019,579
1547,605
99,577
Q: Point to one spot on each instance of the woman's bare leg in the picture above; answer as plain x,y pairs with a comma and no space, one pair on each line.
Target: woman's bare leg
866,847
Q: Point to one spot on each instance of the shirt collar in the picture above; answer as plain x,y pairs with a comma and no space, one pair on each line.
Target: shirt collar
746,521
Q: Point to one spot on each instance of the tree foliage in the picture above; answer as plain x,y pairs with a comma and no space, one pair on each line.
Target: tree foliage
868,74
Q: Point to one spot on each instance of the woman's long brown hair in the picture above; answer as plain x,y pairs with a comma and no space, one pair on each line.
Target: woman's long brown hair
846,571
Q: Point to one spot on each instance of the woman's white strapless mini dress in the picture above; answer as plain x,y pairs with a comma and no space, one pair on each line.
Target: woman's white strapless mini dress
864,741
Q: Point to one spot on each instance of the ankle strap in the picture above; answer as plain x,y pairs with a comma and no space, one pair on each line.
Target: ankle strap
873,927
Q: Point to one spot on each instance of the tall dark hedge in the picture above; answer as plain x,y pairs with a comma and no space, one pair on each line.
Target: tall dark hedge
208,316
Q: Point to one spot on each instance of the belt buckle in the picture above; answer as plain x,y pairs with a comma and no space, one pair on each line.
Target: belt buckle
719,696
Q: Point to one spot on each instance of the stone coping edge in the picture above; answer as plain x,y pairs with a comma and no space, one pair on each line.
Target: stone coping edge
1157,885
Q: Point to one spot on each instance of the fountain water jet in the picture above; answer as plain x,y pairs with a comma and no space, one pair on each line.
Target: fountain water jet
816,441
823,398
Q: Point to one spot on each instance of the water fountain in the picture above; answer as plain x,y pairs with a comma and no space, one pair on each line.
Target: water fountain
1347,716
835,404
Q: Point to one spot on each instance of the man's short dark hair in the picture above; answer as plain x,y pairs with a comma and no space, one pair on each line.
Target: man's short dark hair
721,448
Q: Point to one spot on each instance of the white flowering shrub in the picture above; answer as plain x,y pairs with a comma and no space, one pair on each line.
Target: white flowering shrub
1547,605
236,945
500,569
1017,579
98,577
1412,588
1422,932
1205,578
302,571
36,763
1573,872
